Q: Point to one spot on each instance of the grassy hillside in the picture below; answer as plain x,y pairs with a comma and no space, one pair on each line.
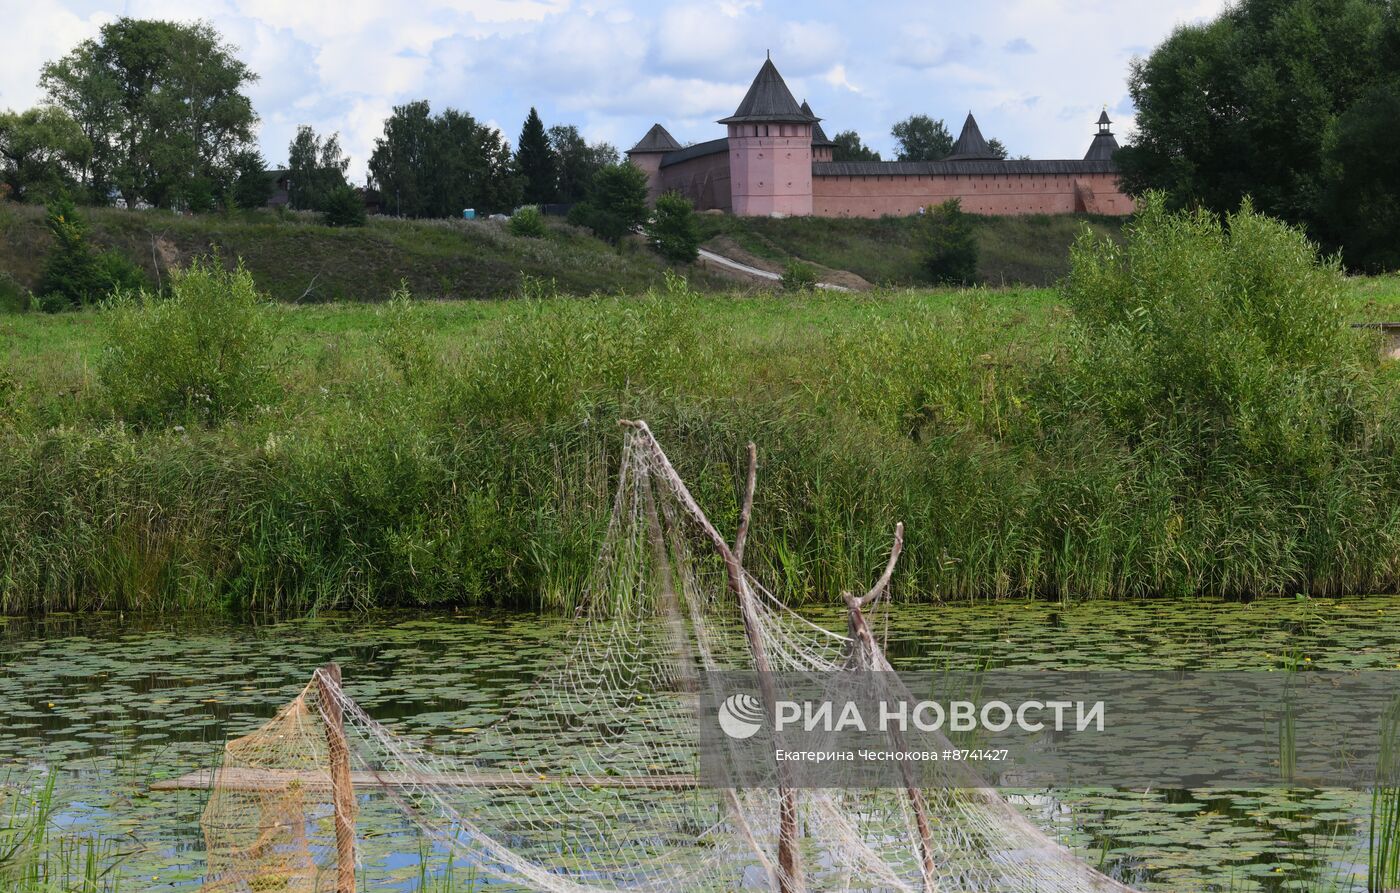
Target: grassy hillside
1031,250
294,258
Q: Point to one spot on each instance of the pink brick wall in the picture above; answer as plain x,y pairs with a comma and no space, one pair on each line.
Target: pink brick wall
770,169
650,163
703,180
876,196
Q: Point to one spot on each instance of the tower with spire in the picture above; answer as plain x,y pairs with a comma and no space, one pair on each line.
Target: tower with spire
1104,145
770,149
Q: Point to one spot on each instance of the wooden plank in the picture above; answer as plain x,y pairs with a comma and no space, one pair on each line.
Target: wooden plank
276,780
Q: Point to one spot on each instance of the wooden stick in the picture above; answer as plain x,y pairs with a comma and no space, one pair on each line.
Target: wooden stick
789,857
883,583
860,630
746,512
320,780
342,785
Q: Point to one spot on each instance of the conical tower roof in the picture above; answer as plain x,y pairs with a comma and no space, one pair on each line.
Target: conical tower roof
656,140
768,99
970,145
819,137
1104,144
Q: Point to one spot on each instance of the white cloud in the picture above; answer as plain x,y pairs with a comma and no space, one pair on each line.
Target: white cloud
1034,71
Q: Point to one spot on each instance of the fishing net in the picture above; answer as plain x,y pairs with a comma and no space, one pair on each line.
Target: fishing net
589,782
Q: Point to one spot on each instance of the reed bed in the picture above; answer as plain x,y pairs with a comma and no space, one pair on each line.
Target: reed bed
1199,420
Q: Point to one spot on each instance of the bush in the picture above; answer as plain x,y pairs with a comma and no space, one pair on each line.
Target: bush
798,276
674,230
1222,337
14,298
344,207
616,202
74,275
404,338
950,248
528,222
200,354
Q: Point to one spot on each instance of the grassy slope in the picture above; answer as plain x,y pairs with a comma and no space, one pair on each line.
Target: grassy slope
295,259
1032,250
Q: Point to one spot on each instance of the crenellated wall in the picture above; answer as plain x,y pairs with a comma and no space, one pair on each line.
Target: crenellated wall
903,194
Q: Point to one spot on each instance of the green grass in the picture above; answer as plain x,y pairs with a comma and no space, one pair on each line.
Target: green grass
294,258
36,858
1189,415
1031,250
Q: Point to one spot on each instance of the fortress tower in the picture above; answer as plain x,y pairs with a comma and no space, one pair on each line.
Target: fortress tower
770,150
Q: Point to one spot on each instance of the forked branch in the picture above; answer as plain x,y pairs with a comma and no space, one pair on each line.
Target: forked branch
883,584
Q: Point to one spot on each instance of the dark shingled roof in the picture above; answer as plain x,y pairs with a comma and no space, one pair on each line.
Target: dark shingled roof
819,137
1104,145
949,167
708,147
1102,148
768,99
656,140
970,145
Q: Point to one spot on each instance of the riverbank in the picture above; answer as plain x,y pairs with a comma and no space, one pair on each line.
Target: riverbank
1172,422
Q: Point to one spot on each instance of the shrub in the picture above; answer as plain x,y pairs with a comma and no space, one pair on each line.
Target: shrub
950,247
673,228
616,202
528,222
344,207
74,275
1226,337
200,354
404,340
798,276
14,298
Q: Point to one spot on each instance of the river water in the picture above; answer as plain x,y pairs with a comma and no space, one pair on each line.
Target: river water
111,704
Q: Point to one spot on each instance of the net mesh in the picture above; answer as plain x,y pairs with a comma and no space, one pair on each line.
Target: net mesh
587,784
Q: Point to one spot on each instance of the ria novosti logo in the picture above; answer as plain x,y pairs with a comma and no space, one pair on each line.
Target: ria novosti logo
741,716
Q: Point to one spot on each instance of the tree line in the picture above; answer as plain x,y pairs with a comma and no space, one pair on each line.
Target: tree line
155,113
1293,103
919,138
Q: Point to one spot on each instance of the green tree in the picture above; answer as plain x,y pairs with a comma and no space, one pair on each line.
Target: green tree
950,245
42,153
75,275
534,160
997,147
161,103
1242,105
316,168
577,161
344,206
616,202
1361,199
922,138
252,185
673,228
849,148
434,166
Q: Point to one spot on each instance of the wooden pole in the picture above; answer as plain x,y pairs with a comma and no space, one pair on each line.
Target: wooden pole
342,787
790,879
860,632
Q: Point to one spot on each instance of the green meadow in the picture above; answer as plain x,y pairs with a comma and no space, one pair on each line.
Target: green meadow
1188,412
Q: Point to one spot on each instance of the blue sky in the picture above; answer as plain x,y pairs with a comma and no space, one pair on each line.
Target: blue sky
1035,72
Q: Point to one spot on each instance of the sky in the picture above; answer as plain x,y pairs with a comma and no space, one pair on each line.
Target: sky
1034,72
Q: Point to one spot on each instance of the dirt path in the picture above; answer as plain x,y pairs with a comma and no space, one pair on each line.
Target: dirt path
748,268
